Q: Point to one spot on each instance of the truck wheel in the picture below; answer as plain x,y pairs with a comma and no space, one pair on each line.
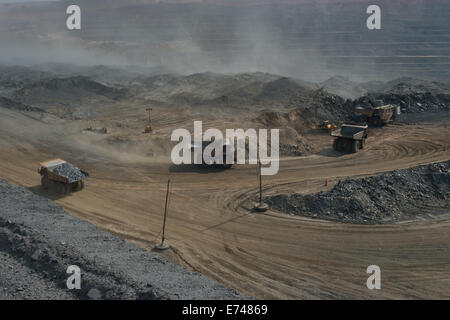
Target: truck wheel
361,143
354,146
60,188
63,188
46,183
341,145
335,145
77,186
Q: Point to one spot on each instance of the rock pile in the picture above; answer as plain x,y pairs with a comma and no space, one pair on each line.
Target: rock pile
70,172
394,196
413,102
15,105
39,240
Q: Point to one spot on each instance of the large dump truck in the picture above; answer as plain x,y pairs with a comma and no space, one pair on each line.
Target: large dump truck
377,116
350,137
203,145
61,177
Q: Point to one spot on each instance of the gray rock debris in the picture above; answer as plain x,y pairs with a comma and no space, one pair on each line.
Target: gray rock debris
69,171
44,240
394,196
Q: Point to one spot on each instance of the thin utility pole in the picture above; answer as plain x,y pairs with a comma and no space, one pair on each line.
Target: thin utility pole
163,245
149,119
260,206
148,128
165,211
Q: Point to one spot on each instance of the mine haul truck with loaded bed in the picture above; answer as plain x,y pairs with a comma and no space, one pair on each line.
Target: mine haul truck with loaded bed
61,177
350,137
377,116
202,145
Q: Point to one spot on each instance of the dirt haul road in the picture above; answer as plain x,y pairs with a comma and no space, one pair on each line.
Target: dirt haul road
263,255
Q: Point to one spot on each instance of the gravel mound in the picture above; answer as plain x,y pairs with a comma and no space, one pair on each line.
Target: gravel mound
15,105
411,102
39,241
343,87
322,105
26,283
66,91
394,196
292,125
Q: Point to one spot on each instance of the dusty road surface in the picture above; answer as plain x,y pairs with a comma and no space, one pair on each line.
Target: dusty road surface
266,255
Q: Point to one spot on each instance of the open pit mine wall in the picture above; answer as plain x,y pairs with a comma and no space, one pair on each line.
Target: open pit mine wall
43,237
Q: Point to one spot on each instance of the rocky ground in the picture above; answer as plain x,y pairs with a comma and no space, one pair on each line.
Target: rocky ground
390,197
39,241
19,281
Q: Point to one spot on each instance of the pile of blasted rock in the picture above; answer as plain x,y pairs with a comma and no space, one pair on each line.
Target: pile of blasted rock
394,196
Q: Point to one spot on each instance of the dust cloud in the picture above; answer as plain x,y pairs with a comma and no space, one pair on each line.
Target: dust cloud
311,40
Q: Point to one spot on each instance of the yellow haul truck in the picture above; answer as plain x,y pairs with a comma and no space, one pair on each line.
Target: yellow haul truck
377,116
61,177
350,137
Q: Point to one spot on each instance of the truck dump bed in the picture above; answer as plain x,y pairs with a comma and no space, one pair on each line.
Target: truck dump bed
350,131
